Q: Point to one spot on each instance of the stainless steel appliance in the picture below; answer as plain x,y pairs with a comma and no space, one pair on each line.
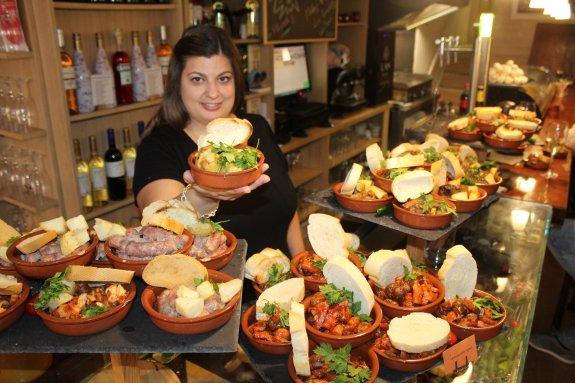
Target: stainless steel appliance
408,87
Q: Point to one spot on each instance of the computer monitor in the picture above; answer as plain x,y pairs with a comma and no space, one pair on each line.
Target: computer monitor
290,70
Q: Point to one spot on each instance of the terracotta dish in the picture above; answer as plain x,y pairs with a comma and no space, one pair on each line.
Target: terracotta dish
198,325
225,181
223,259
466,206
485,126
268,347
491,188
380,181
43,270
464,135
359,205
14,312
409,365
421,221
499,143
258,289
88,326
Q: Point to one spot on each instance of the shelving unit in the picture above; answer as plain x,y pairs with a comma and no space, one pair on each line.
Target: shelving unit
32,134
351,24
359,148
117,110
114,7
299,175
15,55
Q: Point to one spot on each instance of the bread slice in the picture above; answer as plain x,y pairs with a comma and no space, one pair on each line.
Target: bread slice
418,332
438,142
31,244
403,148
9,285
344,274
169,271
231,131
524,114
258,265
508,134
458,272
229,289
352,241
77,223
76,273
351,179
152,208
56,224
165,222
487,113
454,168
467,153
412,184
383,266
71,240
105,229
299,339
7,232
283,294
439,171
524,125
405,161
374,157
326,236
459,124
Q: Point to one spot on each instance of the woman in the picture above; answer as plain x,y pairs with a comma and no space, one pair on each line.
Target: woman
205,82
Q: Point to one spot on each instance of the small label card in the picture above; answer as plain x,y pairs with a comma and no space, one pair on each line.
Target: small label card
460,354
103,93
154,82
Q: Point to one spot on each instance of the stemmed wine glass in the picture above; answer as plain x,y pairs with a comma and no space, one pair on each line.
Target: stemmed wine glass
553,137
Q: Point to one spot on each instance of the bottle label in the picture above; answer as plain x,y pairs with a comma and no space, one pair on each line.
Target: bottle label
84,184
98,178
115,169
130,163
69,78
103,90
164,63
154,82
125,73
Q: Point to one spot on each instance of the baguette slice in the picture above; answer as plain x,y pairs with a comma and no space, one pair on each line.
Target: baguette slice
351,179
441,144
411,185
344,274
75,273
458,124
35,242
418,332
524,125
283,294
454,168
56,224
299,339
383,266
169,271
258,265
487,113
165,222
508,134
7,232
458,273
9,285
525,114
77,223
403,148
326,236
439,171
405,161
231,131
374,157
465,153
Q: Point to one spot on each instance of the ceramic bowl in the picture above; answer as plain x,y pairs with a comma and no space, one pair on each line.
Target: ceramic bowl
421,221
491,188
342,340
43,270
8,270
484,333
499,143
223,259
409,365
485,126
380,181
391,310
268,347
466,206
539,163
14,312
88,326
359,205
137,266
257,288
198,325
364,352
225,181
464,135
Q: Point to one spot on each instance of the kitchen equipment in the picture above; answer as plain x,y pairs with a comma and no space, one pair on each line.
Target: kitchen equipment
408,87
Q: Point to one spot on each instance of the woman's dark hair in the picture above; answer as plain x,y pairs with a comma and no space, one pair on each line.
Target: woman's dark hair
199,41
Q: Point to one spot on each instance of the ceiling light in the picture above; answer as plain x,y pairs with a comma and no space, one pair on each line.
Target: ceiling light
537,4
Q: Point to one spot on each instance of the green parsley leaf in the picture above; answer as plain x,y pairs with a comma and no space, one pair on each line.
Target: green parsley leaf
216,287
338,361
355,307
362,258
319,263
273,308
407,276
365,318
394,173
487,164
334,295
418,265
428,203
216,226
51,289
482,303
92,311
467,181
198,281
431,154
11,240
276,275
383,210
243,158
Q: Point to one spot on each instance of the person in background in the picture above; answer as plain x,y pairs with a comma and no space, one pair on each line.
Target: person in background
205,82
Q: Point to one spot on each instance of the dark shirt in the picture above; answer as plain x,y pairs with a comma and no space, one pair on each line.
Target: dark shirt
261,217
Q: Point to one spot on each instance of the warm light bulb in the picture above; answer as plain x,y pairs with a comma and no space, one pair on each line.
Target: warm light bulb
486,24
562,12
537,4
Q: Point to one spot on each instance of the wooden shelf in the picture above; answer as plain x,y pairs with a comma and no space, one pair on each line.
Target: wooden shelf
29,203
15,55
32,134
351,24
252,95
359,148
253,40
301,175
109,207
119,109
113,7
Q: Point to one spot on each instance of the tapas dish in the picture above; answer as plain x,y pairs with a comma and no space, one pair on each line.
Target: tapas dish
267,268
464,129
489,118
534,157
466,198
8,235
504,138
485,175
13,296
360,194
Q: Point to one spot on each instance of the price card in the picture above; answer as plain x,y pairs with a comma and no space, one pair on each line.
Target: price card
460,354
103,90
154,82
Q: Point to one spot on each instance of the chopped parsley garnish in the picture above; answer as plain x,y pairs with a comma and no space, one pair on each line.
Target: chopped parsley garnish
216,226
481,303
419,266
383,210
428,203
362,258
338,361
431,154
198,281
407,276
276,275
487,164
319,263
242,158
92,311
51,289
11,240
394,173
273,308
333,296
467,181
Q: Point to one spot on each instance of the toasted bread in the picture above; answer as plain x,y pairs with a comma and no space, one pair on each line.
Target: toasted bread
231,131
173,270
31,244
161,220
75,273
56,224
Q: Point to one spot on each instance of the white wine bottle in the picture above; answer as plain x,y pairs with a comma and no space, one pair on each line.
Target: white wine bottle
97,175
83,177
129,155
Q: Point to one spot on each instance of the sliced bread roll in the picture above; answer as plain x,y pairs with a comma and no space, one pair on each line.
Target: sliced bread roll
487,113
404,148
509,134
374,157
439,171
418,332
524,114
165,222
326,236
383,266
454,169
31,244
352,241
344,274
56,224
231,131
458,272
467,153
152,208
351,179
169,271
258,265
405,161
282,294
524,125
105,229
7,232
459,124
76,273
441,144
411,185
299,339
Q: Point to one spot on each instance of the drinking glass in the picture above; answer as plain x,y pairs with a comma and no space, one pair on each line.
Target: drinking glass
553,138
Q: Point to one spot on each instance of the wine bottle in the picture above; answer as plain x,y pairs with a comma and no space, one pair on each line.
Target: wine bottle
138,66
102,66
129,154
97,175
68,74
122,72
151,57
164,53
83,81
115,172
83,177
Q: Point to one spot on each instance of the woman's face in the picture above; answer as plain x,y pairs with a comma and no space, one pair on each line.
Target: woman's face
208,88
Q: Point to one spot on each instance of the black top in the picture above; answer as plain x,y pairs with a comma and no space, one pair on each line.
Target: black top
260,217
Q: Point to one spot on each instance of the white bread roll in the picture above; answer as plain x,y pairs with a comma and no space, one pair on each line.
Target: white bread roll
77,223
326,236
412,184
374,157
405,161
3,256
418,332
441,143
454,168
524,125
383,266
56,224
169,271
7,232
31,244
405,147
299,339
344,274
459,124
231,131
439,171
524,114
458,273
283,294
487,113
153,208
466,152
258,265
508,134
351,179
